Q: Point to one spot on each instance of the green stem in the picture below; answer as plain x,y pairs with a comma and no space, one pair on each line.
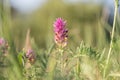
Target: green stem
112,36
61,60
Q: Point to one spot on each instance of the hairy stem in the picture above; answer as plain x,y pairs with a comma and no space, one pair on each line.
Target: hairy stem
61,60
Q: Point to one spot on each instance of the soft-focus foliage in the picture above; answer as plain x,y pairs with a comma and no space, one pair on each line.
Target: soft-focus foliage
28,40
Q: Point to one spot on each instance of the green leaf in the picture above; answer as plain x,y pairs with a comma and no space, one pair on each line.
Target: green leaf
20,58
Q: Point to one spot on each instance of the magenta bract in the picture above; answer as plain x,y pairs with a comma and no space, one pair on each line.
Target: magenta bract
60,32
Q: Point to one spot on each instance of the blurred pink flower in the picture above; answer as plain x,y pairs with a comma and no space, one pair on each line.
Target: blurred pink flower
29,52
3,46
2,42
30,55
30,58
60,32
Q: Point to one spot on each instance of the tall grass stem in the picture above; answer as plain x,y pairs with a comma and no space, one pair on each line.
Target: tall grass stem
112,37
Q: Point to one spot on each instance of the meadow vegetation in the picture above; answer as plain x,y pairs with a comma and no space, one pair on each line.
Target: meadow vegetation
31,47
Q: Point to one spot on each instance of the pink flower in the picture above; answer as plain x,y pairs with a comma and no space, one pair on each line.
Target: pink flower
60,32
3,46
29,52
30,55
2,42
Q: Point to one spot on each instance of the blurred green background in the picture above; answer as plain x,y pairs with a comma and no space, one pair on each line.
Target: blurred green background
84,21
87,22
